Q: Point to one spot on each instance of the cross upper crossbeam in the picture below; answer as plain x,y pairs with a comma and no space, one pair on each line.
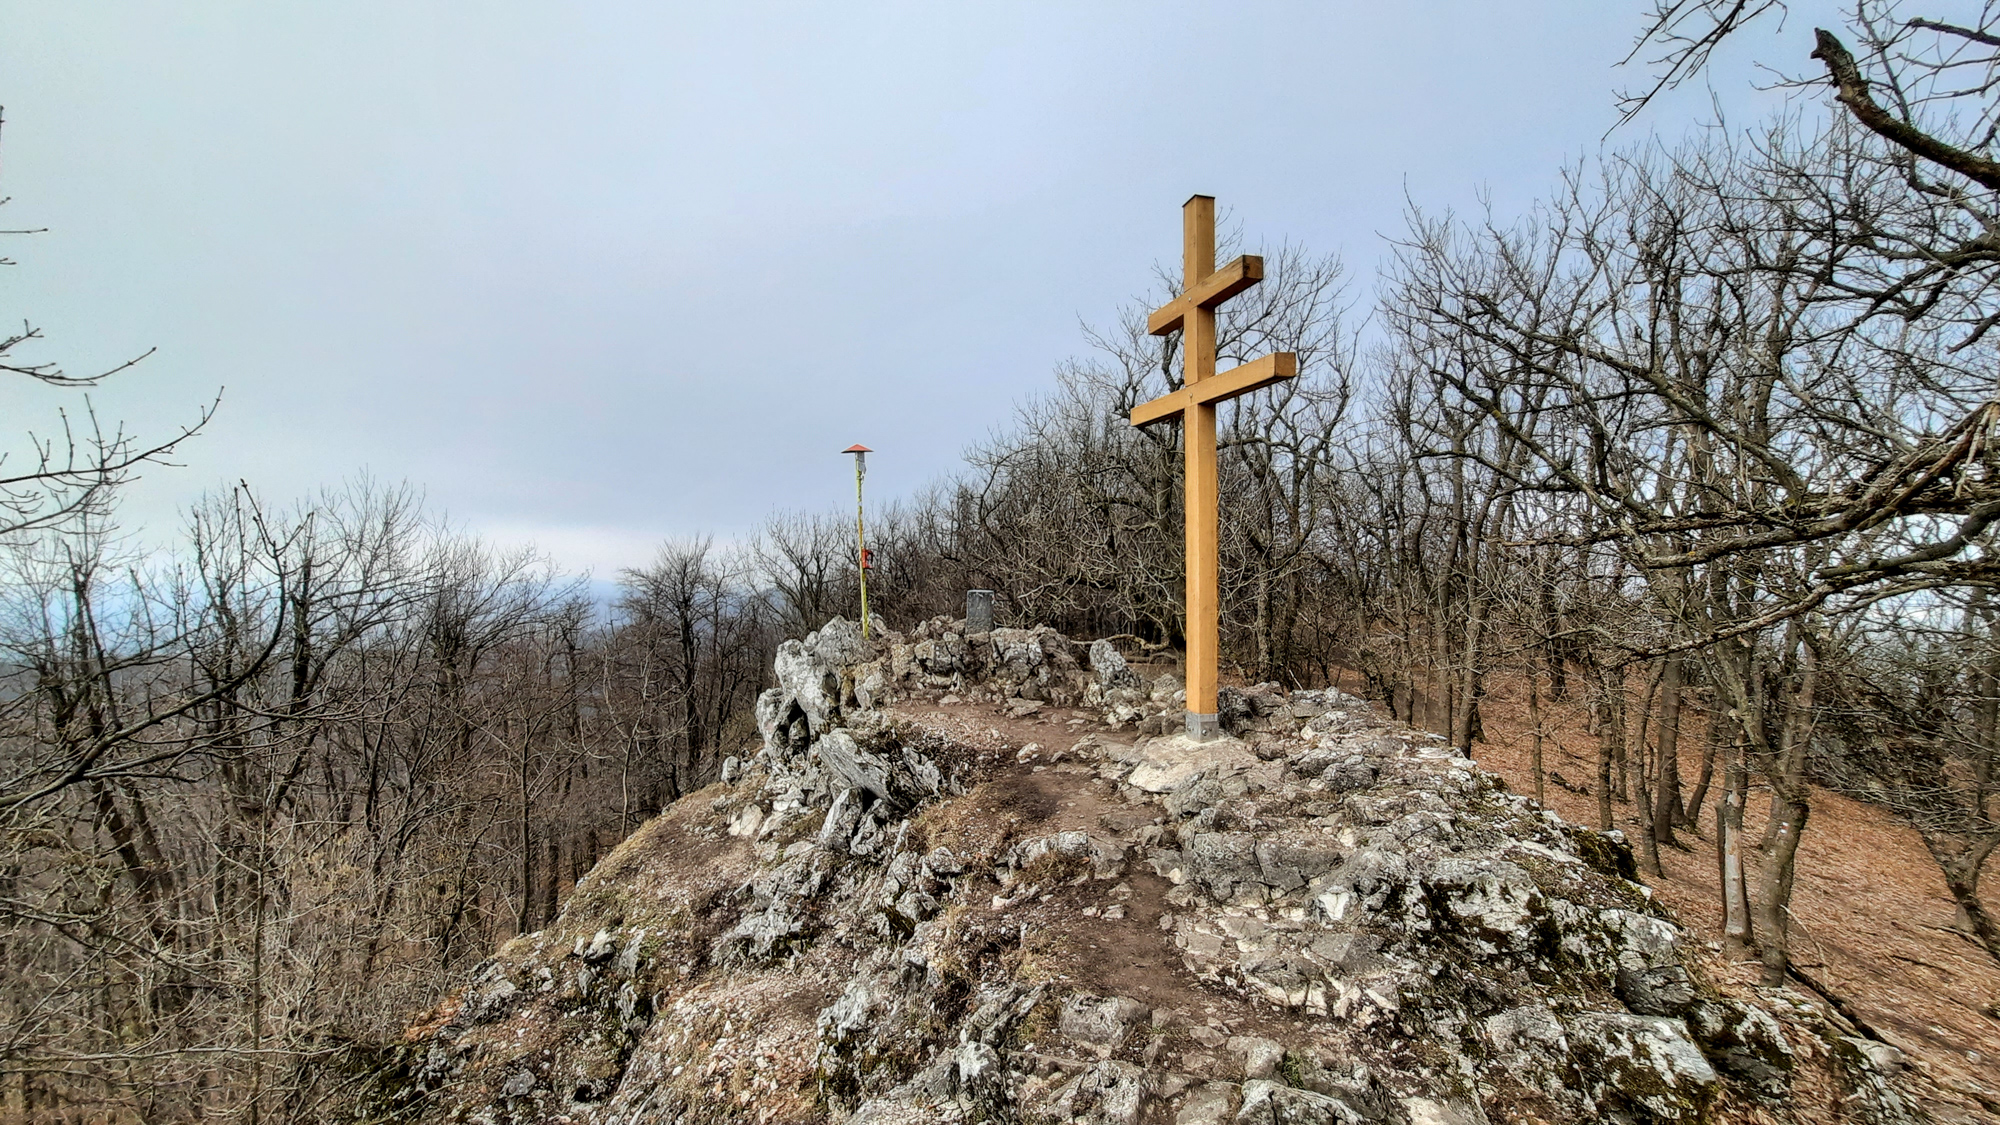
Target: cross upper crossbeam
1207,293
1257,374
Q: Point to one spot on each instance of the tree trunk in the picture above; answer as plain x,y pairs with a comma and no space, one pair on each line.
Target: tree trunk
1738,935
1266,669
1601,706
1621,761
1535,743
1649,843
1649,846
1667,788
1790,809
1552,652
1716,725
1465,716
551,879
525,910
1961,877
1773,904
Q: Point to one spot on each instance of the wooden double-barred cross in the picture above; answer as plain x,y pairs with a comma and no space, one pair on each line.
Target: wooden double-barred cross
1193,312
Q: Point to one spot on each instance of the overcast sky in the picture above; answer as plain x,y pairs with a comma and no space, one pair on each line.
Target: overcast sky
593,275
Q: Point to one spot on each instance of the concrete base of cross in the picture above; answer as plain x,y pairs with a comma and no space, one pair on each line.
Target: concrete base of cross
1201,727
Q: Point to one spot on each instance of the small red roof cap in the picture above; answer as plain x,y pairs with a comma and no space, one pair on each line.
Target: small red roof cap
857,447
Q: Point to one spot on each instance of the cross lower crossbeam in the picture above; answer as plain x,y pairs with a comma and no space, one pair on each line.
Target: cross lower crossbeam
1255,375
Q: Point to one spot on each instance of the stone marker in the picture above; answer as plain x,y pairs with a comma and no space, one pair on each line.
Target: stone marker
978,612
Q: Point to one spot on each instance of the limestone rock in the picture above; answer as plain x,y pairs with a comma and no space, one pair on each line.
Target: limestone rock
942,656
839,644
1745,1042
1273,1103
1645,1063
1110,667
1225,864
1071,856
1109,1093
1261,1057
842,820
1650,978
1212,1104
1493,898
1167,762
808,683
901,780
1102,1022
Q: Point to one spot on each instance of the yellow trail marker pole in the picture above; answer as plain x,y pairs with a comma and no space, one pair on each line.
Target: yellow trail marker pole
861,453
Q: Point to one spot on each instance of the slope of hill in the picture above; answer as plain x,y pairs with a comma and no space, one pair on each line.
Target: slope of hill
1872,915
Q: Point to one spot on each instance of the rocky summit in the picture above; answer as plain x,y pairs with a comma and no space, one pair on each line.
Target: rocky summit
976,878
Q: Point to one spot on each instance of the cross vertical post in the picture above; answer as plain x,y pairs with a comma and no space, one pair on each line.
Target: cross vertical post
1203,287
1201,514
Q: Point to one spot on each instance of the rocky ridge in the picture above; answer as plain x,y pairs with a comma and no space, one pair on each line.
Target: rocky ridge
974,878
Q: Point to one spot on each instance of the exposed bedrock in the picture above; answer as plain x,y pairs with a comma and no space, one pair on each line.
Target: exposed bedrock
971,878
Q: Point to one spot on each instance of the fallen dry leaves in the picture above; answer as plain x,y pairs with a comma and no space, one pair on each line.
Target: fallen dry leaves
1871,916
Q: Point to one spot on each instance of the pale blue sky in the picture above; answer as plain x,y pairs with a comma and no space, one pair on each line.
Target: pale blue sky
596,274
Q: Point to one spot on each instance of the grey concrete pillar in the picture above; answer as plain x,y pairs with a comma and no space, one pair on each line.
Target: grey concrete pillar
978,611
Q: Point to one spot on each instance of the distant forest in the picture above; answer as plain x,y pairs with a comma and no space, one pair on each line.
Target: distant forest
1705,448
